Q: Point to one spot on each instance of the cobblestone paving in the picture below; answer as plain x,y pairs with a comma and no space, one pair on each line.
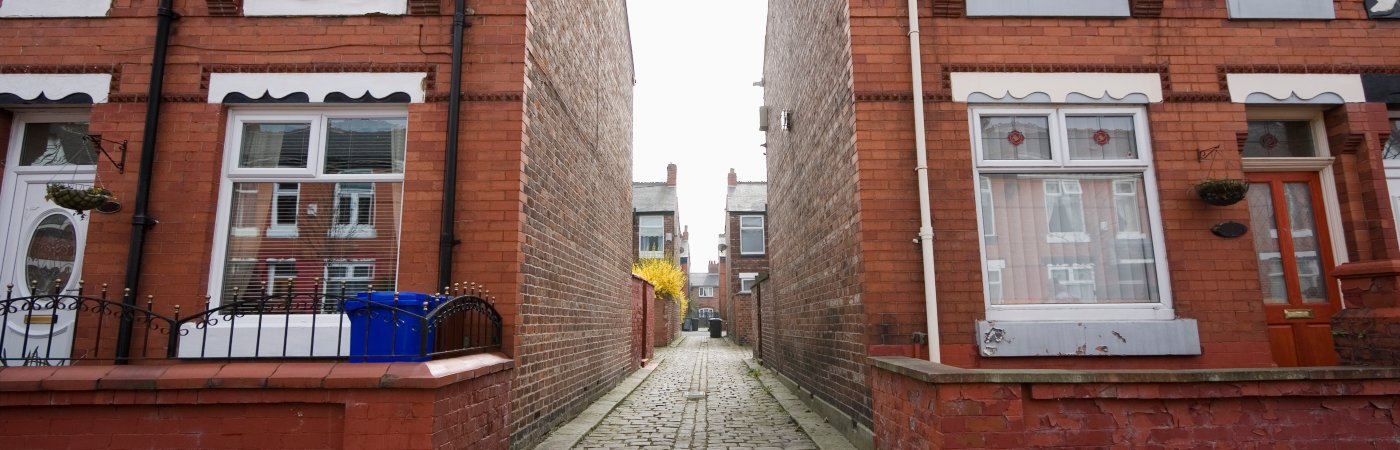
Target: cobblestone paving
734,413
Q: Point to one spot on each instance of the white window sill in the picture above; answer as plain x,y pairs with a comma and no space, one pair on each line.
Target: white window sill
282,231
1067,238
1131,236
651,255
244,232
324,7
751,253
54,8
352,232
1088,338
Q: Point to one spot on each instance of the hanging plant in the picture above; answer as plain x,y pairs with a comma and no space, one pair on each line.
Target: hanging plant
78,198
1222,191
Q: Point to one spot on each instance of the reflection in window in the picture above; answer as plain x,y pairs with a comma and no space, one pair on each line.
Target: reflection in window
365,145
56,144
1101,137
275,145
1064,210
1016,137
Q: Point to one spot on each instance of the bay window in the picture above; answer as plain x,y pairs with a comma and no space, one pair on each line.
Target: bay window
1066,203
310,194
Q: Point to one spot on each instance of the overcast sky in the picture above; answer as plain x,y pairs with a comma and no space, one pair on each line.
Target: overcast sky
696,105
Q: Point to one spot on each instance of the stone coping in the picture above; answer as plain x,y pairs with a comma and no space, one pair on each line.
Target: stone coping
258,375
931,372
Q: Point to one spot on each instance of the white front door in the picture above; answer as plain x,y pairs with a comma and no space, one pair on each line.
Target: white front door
43,243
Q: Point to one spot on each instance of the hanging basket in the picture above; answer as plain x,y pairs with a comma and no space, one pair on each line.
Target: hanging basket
1222,192
78,198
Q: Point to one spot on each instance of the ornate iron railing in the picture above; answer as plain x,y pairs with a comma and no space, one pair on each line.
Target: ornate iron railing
60,329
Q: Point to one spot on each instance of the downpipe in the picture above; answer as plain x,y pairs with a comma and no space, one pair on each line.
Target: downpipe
935,354
140,219
448,237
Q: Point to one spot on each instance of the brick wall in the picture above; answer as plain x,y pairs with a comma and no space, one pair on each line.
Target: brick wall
739,311
460,403
1296,409
813,211
841,186
577,204
667,326
643,319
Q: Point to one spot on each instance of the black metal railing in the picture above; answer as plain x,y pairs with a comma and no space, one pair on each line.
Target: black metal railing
62,329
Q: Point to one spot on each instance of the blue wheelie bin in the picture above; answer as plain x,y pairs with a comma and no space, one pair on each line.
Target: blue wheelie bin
382,331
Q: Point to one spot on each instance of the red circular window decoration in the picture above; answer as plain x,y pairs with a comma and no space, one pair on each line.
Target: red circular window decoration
1015,138
1269,141
1101,137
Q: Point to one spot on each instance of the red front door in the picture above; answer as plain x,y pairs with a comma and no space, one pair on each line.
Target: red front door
1295,265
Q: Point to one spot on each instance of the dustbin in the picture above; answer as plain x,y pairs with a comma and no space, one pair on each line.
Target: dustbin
380,331
694,323
716,327
685,325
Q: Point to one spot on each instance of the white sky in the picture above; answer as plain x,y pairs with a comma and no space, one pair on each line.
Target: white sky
696,105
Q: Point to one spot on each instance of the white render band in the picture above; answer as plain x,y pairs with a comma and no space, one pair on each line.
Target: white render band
29,86
55,8
1015,87
316,86
324,7
1295,88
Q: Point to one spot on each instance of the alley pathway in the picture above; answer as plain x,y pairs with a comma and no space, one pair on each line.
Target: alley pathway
702,396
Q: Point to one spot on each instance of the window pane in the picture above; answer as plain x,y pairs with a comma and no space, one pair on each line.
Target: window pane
366,145
1266,244
989,227
1392,146
1128,208
363,253
56,144
1305,244
751,241
275,145
1016,137
1078,258
1276,138
650,230
1101,137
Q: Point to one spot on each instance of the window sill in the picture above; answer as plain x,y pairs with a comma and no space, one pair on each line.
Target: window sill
352,232
283,232
1088,338
1067,238
651,255
244,232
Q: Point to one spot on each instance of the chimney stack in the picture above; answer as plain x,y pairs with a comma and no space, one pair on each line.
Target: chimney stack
671,174
733,178
714,267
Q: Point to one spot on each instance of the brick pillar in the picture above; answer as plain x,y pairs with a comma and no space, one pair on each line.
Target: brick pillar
1367,330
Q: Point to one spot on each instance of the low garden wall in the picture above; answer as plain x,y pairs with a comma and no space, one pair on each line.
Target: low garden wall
461,402
919,404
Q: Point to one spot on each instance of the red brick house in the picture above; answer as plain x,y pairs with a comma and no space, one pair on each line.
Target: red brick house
254,142
745,256
704,293
657,234
1012,185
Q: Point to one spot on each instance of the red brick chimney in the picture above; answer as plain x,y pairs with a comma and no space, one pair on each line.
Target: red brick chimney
714,267
670,174
733,178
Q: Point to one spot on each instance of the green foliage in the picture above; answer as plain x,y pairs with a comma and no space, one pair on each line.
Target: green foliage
668,279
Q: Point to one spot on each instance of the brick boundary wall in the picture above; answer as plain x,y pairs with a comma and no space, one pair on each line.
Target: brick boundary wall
919,404
452,403
667,325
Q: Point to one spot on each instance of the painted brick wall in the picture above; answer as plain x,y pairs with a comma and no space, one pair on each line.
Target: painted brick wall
577,204
912,414
813,209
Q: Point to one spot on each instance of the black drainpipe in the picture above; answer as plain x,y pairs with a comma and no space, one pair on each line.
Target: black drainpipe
140,222
449,169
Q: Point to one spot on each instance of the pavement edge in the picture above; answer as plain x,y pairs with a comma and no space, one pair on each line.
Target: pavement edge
822,433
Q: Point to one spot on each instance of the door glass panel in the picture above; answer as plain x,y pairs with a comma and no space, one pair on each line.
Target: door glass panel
56,144
53,250
1266,245
1305,242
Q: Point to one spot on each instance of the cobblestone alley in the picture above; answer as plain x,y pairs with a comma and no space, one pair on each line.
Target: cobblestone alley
701,396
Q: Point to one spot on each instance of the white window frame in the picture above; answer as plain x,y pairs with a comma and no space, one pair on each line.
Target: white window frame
1062,189
746,282
706,313
996,290
705,291
1060,163
280,230
354,229
332,284
659,234
1072,278
273,279
246,211
315,157
1132,197
989,227
762,234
